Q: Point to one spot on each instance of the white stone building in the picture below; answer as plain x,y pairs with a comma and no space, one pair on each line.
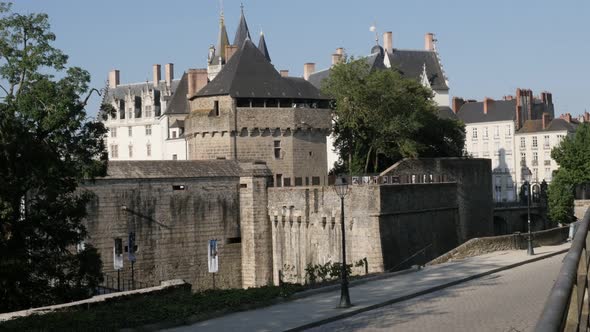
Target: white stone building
149,120
423,65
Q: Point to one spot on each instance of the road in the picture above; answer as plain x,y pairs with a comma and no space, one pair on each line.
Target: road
510,300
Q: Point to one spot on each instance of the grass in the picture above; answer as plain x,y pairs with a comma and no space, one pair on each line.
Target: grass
175,307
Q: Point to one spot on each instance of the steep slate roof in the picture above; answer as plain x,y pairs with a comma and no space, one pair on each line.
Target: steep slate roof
445,112
249,74
533,126
410,63
136,88
178,104
161,169
262,47
177,124
500,110
222,42
243,32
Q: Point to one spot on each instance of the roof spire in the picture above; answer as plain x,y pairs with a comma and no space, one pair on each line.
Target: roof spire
262,46
222,41
242,33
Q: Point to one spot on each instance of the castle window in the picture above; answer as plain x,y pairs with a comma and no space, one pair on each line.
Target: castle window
287,182
243,102
277,149
174,157
148,130
113,132
279,180
315,180
216,107
298,181
148,111
257,102
272,103
114,151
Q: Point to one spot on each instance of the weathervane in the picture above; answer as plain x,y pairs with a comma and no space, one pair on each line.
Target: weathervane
373,28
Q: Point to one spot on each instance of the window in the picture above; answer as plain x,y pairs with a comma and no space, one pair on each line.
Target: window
149,150
279,180
497,148
508,130
174,157
535,158
130,130
559,138
534,142
130,151
287,182
474,133
496,132
548,174
277,149
113,132
147,112
522,142
536,174
315,180
216,107
547,158
546,141
148,130
523,158
174,134
485,133
114,151
498,188
298,181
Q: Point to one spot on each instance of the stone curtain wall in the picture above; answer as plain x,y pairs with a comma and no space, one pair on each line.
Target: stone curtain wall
384,223
172,228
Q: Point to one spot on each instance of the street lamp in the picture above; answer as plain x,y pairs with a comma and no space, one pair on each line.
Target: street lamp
341,188
527,177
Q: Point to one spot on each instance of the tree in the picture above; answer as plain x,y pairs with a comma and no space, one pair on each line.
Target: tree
47,147
573,157
381,117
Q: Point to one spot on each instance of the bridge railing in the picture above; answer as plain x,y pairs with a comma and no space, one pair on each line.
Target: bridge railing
567,308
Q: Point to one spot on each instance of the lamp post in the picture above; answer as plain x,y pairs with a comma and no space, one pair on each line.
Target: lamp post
527,183
341,188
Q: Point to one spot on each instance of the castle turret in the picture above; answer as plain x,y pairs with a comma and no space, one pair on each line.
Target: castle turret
243,32
262,47
217,54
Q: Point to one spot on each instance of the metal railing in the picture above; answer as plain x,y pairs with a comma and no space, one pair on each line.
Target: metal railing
113,285
567,307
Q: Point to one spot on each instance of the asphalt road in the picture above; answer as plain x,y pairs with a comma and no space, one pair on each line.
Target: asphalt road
510,300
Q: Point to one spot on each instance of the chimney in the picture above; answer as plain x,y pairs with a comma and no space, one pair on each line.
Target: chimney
308,69
197,79
487,103
157,75
429,41
340,51
336,58
457,103
544,97
230,50
509,97
530,104
567,117
284,73
388,41
518,116
113,78
586,117
169,69
546,119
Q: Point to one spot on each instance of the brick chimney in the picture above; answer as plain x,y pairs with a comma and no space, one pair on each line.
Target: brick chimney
530,100
230,50
457,103
518,116
388,41
487,103
567,117
336,59
284,73
586,117
429,41
197,79
546,120
157,74
169,69
308,69
509,97
114,78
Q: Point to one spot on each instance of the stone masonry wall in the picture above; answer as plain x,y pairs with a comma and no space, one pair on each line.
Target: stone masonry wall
172,227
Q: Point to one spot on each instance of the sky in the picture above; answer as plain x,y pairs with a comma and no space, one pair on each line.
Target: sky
488,48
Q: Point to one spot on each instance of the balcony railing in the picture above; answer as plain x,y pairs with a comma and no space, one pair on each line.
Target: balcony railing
566,308
547,162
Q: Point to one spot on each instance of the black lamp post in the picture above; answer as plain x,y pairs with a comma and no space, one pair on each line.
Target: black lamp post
527,183
341,188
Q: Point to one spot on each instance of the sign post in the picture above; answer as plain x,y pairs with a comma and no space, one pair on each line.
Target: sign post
213,259
132,258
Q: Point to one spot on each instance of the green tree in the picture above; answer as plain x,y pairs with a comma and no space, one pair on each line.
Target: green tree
381,117
573,157
47,147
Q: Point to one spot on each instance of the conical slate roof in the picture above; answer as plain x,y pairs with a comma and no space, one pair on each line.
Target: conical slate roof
222,42
248,74
262,47
243,32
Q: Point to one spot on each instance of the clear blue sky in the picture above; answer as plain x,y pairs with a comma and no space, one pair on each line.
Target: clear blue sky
488,48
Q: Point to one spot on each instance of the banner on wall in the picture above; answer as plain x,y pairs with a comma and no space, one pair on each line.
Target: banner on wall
213,256
118,254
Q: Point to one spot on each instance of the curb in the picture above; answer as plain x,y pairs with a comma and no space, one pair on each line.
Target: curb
423,292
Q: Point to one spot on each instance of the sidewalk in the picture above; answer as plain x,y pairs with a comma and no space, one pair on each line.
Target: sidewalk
321,308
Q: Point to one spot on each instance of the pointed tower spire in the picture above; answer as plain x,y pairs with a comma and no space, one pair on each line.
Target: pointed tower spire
243,32
262,46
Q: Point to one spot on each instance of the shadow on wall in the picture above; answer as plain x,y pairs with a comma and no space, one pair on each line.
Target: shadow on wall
503,182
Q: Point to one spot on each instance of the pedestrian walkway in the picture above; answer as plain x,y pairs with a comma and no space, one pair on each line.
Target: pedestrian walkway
321,308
